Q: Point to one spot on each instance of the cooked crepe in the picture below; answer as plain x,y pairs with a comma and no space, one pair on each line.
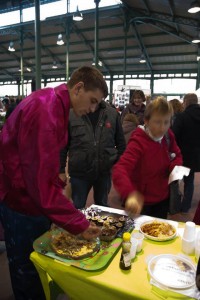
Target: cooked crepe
158,229
70,246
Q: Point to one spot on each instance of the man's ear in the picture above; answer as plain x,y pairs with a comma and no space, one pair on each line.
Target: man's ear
78,86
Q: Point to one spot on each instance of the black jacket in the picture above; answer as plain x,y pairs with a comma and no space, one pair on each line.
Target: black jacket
94,145
186,128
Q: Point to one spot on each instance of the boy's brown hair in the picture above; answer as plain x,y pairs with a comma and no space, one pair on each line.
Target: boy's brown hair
159,105
91,77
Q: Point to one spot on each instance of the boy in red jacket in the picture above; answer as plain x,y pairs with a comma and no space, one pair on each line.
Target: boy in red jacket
141,175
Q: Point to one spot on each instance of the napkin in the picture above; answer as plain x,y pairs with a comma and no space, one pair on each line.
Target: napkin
177,173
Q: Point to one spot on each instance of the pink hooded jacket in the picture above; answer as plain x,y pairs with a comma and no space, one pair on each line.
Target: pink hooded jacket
30,144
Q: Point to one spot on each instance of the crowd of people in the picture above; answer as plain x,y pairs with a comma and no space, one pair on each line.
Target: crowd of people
72,125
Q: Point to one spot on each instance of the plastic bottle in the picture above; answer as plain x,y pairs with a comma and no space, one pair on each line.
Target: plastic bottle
125,259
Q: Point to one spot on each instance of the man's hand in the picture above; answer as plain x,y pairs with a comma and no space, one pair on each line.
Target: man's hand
91,232
134,203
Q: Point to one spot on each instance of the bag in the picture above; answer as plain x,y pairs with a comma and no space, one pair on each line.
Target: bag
175,198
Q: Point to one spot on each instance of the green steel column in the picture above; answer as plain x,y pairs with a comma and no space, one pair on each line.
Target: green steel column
21,53
67,42
198,71
37,45
111,89
126,28
96,37
67,47
152,84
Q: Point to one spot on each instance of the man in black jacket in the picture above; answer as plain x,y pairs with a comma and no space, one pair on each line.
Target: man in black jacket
186,128
96,142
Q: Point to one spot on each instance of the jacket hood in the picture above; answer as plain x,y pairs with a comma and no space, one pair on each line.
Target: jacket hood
128,126
193,111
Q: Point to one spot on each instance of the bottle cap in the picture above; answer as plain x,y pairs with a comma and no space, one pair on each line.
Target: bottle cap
126,236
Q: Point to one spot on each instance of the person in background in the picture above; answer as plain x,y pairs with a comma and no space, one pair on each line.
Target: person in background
148,100
31,193
96,141
142,172
186,128
177,108
11,107
136,106
130,123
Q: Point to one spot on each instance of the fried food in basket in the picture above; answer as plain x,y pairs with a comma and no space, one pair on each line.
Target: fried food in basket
158,229
70,246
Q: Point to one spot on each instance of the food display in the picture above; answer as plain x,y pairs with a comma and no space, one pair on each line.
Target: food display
111,224
70,246
158,230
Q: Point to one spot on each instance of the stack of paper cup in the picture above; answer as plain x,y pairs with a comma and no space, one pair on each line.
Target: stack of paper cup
188,240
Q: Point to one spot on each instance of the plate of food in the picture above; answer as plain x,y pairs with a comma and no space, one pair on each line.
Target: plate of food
158,230
172,271
70,246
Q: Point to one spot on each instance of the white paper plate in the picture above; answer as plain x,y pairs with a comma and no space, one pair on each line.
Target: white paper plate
158,239
172,271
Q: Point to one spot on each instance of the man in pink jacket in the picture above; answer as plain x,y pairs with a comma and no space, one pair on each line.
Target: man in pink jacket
142,172
31,193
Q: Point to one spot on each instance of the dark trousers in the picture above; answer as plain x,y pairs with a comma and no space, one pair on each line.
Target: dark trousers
158,210
81,188
188,192
20,232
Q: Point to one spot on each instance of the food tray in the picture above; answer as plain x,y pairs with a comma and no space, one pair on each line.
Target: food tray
98,260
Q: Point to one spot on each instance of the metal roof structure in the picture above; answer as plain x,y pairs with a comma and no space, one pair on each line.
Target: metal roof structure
161,30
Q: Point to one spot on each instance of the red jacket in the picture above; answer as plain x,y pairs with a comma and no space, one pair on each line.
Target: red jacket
145,167
30,144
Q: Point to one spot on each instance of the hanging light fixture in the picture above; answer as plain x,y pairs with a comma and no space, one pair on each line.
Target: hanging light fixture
60,41
142,59
11,47
77,16
196,39
100,64
54,66
194,7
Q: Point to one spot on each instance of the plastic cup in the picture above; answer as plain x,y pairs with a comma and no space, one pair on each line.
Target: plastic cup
139,237
189,231
188,246
134,244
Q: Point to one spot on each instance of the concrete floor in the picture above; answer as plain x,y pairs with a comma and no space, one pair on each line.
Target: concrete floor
114,201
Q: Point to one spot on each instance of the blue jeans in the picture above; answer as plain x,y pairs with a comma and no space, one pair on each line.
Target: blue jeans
188,192
20,232
81,188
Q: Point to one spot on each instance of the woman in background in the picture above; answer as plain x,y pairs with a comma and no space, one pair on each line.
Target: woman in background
136,106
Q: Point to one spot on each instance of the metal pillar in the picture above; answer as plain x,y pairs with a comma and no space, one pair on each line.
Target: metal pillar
96,37
21,53
126,28
68,24
111,89
198,71
37,45
152,84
